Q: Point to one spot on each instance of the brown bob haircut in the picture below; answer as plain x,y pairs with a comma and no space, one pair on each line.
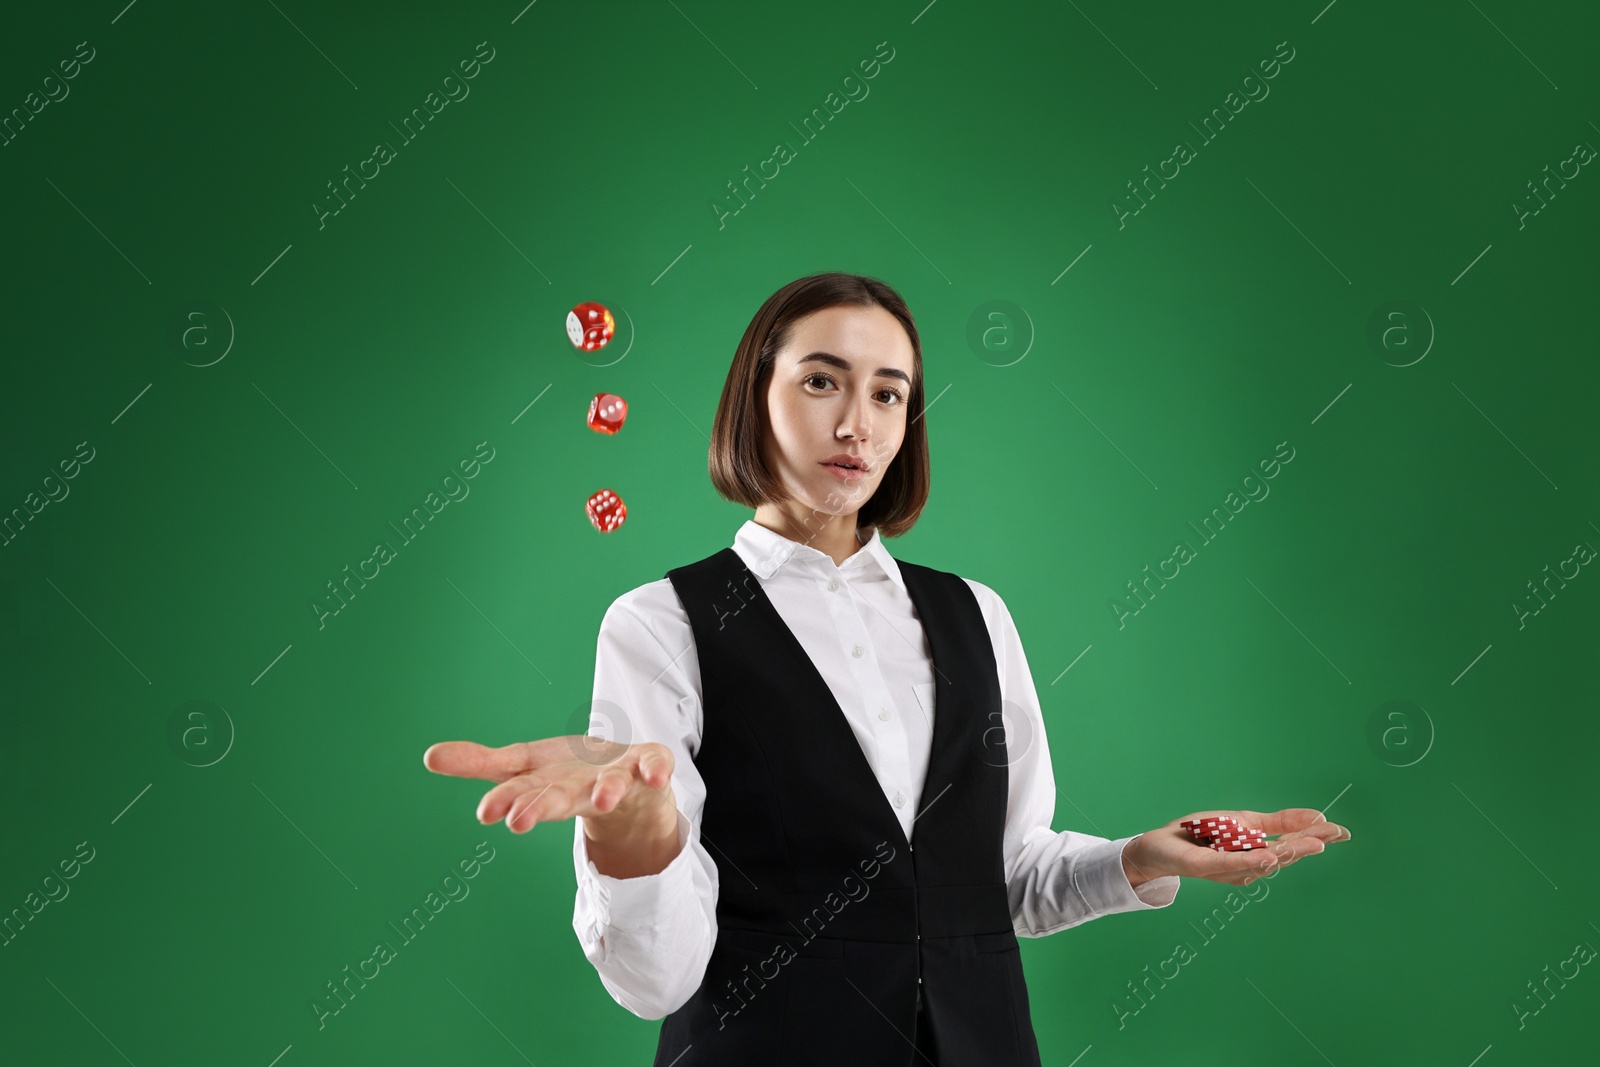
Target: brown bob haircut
737,469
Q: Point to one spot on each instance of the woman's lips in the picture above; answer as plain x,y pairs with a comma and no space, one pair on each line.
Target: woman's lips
848,474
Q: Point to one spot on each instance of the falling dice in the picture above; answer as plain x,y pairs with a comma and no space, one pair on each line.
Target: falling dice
590,326
607,412
606,511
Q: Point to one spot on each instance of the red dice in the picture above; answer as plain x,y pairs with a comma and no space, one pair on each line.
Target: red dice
607,412
606,511
590,326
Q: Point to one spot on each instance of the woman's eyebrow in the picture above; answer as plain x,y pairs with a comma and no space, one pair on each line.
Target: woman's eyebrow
844,364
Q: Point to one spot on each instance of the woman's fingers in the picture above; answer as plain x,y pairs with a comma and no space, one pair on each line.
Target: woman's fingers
497,802
1286,821
655,764
1287,824
532,807
1299,832
556,778
1245,867
610,787
534,798
1298,849
453,757
1235,866
648,766
1327,832
468,759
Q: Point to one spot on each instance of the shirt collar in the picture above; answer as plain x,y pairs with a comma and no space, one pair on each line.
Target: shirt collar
764,551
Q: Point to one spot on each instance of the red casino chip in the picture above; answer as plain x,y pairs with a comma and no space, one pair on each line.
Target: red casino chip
1224,834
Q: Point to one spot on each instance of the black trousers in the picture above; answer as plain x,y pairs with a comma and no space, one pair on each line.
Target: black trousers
926,1055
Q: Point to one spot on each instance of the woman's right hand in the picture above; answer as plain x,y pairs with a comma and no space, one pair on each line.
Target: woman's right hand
623,791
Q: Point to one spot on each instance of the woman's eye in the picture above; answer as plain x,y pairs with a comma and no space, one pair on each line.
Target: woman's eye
898,398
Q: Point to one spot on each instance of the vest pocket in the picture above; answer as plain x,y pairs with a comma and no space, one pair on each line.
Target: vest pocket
767,944
818,1007
1001,942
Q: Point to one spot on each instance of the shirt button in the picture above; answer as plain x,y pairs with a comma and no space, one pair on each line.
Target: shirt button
899,800
884,714
856,652
832,585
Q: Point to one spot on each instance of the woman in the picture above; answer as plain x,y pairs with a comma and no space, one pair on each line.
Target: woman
807,842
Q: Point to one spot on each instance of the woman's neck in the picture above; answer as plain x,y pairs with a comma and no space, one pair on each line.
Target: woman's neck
835,535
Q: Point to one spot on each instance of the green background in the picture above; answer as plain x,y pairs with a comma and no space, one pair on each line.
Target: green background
372,354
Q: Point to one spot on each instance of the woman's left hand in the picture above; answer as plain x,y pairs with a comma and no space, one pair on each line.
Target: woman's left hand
1170,850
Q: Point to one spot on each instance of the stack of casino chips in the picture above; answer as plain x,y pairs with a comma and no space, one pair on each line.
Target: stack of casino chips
1225,834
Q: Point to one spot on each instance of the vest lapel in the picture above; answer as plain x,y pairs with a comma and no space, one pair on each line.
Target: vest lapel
832,721
945,758
943,761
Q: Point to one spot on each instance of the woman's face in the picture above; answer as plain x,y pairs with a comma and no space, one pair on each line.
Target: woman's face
840,385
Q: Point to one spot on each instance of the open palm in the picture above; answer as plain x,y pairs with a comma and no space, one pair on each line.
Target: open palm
1170,850
558,778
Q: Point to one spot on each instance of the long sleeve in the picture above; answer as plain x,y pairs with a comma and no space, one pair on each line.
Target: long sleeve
649,938
1054,879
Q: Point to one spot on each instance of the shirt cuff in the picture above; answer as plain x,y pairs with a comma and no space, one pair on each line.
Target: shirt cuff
633,903
1104,885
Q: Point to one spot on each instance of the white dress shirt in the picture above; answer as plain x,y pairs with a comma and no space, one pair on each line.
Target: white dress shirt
650,937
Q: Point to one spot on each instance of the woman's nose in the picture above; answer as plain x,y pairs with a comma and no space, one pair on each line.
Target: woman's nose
857,420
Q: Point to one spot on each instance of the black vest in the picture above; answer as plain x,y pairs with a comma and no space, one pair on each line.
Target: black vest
830,925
